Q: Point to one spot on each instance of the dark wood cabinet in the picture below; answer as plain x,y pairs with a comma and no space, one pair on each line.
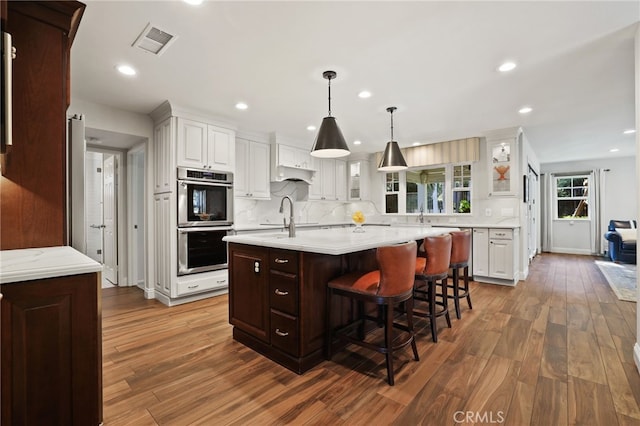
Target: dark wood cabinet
33,181
280,310
51,351
249,290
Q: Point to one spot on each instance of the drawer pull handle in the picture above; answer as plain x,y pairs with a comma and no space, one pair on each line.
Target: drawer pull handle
278,260
193,286
221,281
281,333
281,293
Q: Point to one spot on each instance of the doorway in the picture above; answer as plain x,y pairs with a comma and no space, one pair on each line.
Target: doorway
102,194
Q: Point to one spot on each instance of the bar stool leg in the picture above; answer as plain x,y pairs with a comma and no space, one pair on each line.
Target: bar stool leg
456,291
445,301
466,285
388,341
431,288
328,329
409,312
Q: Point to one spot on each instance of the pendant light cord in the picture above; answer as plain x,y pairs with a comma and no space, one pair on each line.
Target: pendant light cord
391,125
329,96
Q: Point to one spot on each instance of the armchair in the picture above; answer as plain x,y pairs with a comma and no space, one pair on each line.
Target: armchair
622,240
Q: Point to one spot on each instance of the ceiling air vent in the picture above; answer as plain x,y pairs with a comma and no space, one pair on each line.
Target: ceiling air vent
154,40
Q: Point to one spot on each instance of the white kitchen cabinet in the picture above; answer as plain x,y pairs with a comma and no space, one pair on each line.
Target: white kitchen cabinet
480,251
203,146
330,182
164,224
163,159
358,180
289,156
494,255
341,180
252,170
501,255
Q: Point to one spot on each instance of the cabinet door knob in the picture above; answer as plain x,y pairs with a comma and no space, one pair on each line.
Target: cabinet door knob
256,266
281,293
281,333
278,260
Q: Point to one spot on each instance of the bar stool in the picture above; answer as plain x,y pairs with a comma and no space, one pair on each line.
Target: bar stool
387,287
430,270
460,253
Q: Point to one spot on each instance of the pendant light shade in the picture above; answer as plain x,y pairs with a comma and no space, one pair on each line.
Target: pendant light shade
329,142
392,159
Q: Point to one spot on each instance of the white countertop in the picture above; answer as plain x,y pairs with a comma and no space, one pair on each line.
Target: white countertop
338,241
45,262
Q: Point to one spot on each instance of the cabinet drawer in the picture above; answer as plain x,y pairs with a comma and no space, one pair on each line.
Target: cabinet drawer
283,292
197,285
283,260
501,234
284,332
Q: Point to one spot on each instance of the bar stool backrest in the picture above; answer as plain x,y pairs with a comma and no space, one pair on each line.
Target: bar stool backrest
461,246
397,267
438,250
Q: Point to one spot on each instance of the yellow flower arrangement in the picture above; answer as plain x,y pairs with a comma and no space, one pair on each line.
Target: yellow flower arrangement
358,217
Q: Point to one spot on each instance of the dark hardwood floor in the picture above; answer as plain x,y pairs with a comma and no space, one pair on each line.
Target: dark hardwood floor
555,350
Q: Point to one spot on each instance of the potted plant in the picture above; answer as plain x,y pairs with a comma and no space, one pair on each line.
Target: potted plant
464,207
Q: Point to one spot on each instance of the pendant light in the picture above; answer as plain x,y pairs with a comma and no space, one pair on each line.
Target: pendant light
329,142
392,159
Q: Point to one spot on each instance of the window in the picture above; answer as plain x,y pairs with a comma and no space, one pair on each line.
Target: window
462,188
435,190
392,191
426,190
572,197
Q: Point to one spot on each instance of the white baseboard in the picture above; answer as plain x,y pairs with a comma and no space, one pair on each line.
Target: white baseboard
149,293
571,251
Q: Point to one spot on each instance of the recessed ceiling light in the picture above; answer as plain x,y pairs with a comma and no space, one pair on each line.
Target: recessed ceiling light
242,105
193,2
525,110
629,131
614,150
364,94
126,70
507,66
357,142
416,143
311,128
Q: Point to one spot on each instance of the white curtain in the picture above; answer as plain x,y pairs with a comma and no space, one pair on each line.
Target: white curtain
596,210
546,185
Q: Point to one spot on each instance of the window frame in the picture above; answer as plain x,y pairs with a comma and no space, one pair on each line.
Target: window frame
448,190
556,198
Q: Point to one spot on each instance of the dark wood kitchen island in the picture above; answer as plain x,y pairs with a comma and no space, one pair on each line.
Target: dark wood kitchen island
277,285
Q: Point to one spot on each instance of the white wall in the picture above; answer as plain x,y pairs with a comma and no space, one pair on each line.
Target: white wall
104,117
619,200
636,348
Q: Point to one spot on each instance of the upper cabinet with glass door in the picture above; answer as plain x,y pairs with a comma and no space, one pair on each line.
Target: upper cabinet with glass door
462,188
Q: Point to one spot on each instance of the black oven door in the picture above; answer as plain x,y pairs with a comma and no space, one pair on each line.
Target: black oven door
202,249
204,204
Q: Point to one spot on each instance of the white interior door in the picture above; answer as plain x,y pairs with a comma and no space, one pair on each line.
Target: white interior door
532,212
110,222
94,187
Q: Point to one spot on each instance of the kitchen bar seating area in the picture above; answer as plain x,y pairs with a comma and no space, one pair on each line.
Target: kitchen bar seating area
278,282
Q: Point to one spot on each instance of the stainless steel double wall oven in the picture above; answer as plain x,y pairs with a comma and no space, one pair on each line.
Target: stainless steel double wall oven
205,216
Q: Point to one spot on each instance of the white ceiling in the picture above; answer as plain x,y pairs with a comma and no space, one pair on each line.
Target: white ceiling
435,61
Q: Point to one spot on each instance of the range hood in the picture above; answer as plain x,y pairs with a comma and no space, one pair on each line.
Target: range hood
296,174
289,161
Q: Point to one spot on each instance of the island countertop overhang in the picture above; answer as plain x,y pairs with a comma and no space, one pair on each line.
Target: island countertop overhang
339,241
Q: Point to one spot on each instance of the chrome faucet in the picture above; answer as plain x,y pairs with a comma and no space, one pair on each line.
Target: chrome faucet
421,217
292,225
